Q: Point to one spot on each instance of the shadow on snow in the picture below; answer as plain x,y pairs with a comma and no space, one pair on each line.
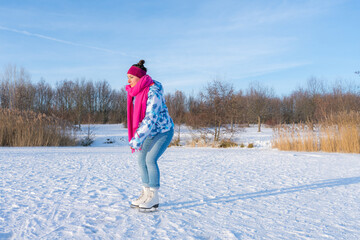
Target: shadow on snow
266,193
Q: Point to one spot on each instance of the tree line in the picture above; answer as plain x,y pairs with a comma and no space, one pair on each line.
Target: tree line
218,104
78,101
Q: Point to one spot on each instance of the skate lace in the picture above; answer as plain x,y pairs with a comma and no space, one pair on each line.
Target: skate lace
141,195
150,196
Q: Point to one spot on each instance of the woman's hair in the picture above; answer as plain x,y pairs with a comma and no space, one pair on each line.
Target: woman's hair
140,65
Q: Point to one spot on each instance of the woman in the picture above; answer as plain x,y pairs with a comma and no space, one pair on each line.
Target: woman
150,130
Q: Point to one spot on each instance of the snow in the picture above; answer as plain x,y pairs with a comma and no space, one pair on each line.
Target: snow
206,193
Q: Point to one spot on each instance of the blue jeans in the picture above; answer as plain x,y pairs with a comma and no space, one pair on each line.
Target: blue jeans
151,150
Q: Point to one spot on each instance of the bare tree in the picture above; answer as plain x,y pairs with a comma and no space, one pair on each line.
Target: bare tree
64,99
287,110
90,100
217,99
119,106
238,109
103,94
43,97
79,100
20,92
274,117
5,94
176,107
193,115
258,102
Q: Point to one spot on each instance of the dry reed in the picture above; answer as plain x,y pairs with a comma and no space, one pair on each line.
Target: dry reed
335,133
27,128
199,142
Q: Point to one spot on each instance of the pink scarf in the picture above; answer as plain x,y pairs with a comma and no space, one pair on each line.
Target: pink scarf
135,114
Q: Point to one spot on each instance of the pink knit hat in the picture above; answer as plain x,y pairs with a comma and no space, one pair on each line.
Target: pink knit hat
136,72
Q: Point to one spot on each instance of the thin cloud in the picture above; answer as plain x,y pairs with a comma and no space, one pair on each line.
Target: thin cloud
61,41
273,68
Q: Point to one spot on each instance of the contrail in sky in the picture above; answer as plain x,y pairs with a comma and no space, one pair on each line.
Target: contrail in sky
60,41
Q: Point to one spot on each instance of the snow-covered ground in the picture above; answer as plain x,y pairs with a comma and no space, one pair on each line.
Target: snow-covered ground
206,193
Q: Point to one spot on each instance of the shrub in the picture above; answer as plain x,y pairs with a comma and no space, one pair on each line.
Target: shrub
175,142
26,128
199,142
86,141
227,144
250,145
89,138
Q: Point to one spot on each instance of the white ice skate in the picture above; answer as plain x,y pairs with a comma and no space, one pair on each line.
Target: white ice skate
152,202
143,197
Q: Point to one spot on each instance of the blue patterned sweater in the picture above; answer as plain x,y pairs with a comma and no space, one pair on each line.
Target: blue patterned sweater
157,118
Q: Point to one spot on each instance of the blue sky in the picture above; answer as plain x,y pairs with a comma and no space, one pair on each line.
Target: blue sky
280,44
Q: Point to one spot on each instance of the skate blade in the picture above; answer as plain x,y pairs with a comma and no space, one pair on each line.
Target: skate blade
148,210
